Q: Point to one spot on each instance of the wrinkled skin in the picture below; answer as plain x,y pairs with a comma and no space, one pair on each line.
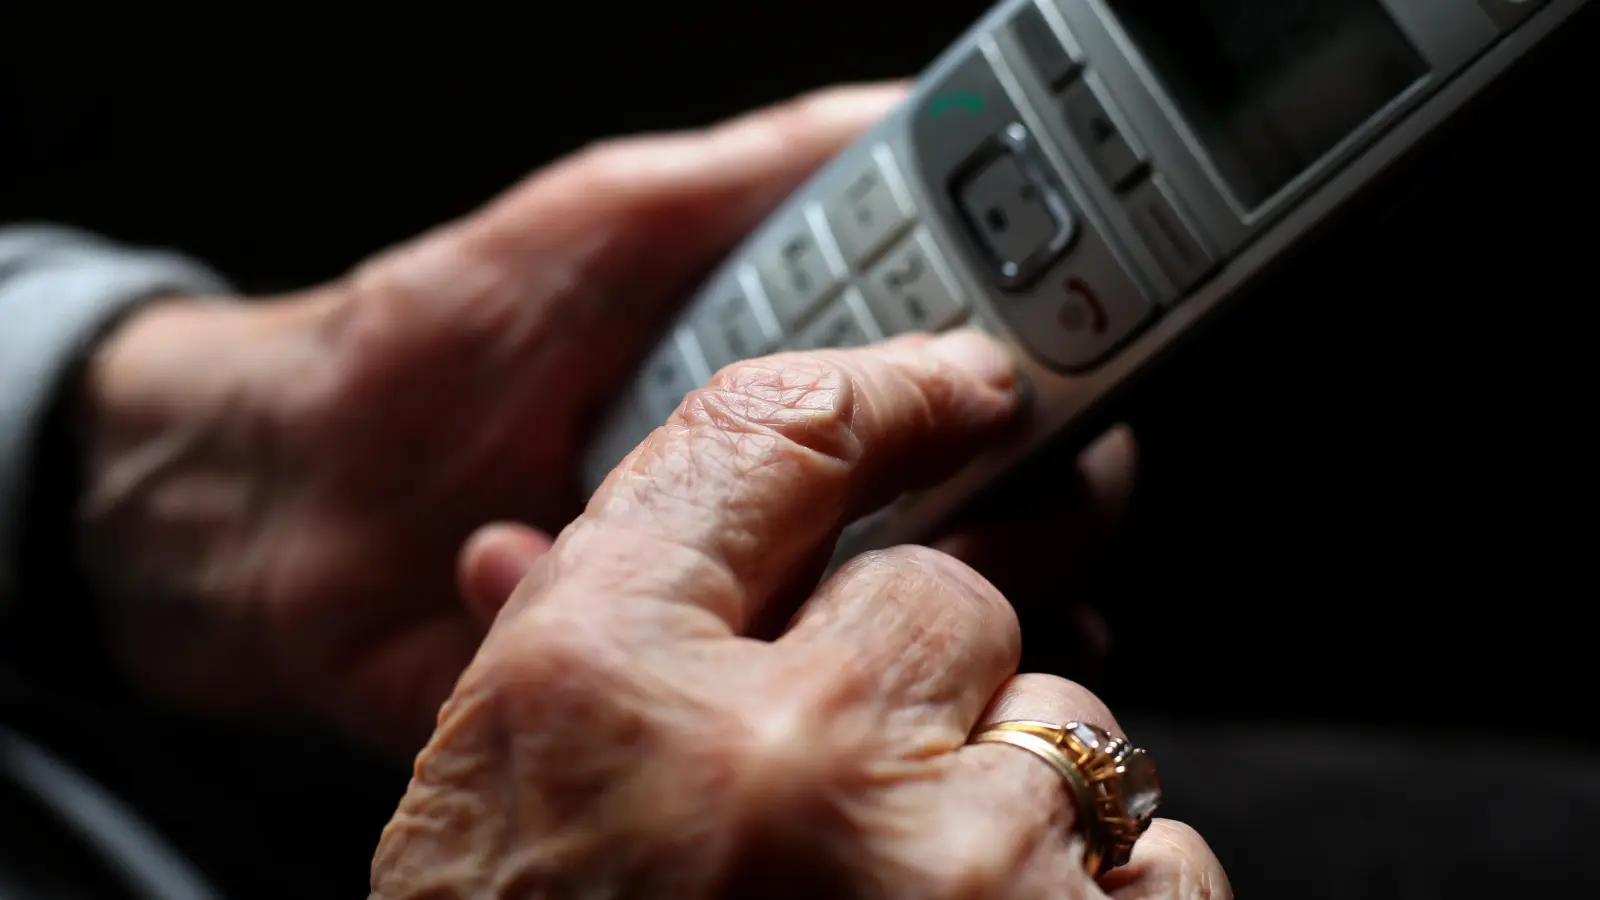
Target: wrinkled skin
277,497
277,491
619,736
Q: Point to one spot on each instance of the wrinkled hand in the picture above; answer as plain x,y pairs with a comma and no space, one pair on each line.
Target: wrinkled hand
277,491
618,736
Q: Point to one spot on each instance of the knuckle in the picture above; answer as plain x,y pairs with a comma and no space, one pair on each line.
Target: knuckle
604,152
942,568
553,660
796,746
792,122
960,592
829,102
807,102
608,161
1036,695
944,618
780,407
809,125
797,116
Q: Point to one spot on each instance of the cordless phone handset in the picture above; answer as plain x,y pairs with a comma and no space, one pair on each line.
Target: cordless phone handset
1087,180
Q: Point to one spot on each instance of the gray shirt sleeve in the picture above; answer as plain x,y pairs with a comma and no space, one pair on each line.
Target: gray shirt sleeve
59,289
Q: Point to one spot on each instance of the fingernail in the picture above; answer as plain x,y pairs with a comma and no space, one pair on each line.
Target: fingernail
977,353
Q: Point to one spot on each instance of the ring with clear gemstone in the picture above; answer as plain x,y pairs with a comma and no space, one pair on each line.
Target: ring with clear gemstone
1115,785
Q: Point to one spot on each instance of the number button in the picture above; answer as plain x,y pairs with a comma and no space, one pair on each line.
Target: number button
668,376
731,327
1118,159
798,271
1054,59
845,323
1177,250
911,290
869,209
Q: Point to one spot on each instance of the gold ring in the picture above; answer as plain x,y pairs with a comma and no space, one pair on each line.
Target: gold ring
1114,785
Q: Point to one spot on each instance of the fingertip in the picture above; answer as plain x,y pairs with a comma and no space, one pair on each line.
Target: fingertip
1110,470
963,377
957,571
976,354
493,562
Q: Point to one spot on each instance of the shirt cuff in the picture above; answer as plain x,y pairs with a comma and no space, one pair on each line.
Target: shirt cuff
60,291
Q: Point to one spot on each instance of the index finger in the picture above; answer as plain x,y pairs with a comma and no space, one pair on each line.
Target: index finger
754,475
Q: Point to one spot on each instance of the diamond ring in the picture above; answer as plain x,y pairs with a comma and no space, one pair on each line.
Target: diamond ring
1115,785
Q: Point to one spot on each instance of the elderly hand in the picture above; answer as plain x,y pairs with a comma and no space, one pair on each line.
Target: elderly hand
276,491
619,735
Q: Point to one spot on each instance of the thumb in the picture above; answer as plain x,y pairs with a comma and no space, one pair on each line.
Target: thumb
572,273
492,564
684,197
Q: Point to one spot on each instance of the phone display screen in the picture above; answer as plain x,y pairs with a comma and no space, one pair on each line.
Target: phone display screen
1268,87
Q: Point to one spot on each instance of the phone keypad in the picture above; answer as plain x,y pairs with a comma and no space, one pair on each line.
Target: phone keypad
844,323
911,290
869,209
733,323
799,269
846,270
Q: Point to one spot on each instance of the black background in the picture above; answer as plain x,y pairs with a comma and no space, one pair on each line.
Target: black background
1364,499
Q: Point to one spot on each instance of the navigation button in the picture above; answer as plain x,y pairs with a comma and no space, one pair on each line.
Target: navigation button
1080,311
869,209
910,290
1181,255
1054,60
798,269
845,323
1116,157
1013,210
